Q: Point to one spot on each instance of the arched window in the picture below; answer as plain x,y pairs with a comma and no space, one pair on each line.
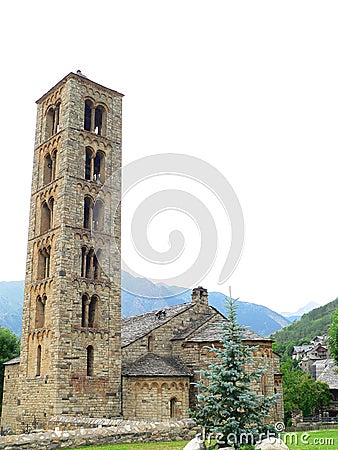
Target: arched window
92,312
40,311
97,264
83,261
173,408
98,215
43,263
99,167
38,361
99,120
54,160
46,217
85,309
89,164
94,118
88,115
52,120
90,361
88,212
150,343
47,169
89,311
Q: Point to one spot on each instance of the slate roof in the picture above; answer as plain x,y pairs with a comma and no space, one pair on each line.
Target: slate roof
182,334
213,332
155,365
329,376
12,361
135,327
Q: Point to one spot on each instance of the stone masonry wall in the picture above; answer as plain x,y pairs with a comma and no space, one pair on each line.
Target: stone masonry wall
120,432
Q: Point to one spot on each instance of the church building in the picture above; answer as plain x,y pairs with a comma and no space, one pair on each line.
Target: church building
78,358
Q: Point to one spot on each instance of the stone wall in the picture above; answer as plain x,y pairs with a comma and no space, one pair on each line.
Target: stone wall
120,432
159,397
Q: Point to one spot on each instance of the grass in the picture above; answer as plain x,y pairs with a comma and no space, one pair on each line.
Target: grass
316,440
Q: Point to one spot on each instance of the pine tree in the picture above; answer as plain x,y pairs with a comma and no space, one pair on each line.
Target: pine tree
226,404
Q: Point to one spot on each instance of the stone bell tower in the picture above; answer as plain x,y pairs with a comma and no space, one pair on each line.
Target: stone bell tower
70,360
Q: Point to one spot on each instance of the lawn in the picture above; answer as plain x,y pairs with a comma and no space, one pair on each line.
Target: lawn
317,440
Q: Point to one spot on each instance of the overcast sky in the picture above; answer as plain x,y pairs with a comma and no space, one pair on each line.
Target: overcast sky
251,87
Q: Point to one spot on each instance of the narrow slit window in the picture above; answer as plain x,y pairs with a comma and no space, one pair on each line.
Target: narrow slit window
38,361
90,361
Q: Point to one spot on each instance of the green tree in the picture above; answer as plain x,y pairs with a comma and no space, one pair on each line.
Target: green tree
9,348
225,401
333,337
300,391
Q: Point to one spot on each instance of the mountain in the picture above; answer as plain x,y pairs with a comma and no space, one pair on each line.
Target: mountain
292,316
311,324
259,318
11,301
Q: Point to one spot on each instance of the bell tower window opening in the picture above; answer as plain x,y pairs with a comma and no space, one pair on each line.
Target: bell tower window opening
99,118
88,212
83,261
46,215
90,361
99,167
54,158
52,120
89,264
89,112
96,264
85,310
44,264
89,164
98,215
38,361
48,169
92,312
40,311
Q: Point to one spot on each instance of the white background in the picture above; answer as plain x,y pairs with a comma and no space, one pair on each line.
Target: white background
248,86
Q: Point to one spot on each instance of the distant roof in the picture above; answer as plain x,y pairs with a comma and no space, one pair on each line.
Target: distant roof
12,361
135,327
329,376
302,348
154,365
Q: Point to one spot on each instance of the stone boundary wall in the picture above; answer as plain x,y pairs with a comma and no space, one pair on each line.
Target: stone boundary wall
313,426
125,432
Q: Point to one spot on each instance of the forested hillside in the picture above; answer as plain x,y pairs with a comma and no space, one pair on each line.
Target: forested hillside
314,323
